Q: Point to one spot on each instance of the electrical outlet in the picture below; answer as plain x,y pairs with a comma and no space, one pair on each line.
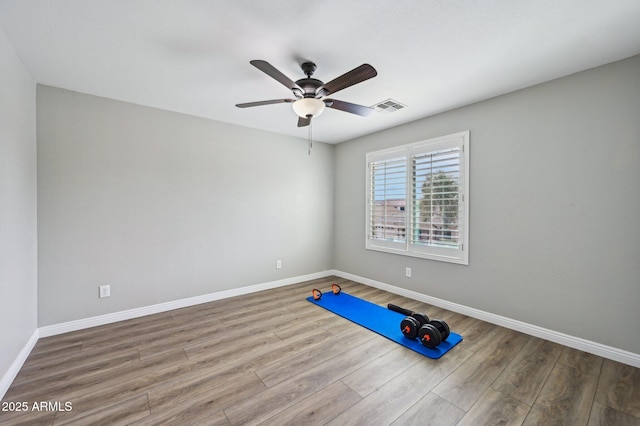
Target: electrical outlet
105,291
407,272
278,264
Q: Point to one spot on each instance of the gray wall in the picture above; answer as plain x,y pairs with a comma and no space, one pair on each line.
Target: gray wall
18,239
554,213
164,206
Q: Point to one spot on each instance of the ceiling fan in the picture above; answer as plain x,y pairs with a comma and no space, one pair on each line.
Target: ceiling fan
309,92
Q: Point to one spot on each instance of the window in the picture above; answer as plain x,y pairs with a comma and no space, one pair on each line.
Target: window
417,202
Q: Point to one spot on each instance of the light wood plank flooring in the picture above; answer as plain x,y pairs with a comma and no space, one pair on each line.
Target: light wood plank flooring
273,358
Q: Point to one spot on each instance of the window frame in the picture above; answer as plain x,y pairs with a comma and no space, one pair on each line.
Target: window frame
459,255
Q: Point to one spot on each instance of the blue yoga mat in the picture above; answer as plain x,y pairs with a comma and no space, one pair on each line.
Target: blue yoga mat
380,320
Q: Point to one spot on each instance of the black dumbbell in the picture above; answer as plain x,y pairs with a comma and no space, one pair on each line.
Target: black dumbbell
442,327
412,323
430,332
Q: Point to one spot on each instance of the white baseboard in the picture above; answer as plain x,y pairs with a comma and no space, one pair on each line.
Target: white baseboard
66,327
13,371
595,348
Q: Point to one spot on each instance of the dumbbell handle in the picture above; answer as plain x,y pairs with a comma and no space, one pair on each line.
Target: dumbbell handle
395,308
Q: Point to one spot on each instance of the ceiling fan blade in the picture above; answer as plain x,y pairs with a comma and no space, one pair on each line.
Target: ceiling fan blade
349,107
272,72
355,76
303,122
260,103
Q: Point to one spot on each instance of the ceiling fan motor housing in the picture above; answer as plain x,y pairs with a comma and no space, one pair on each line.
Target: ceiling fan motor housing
308,85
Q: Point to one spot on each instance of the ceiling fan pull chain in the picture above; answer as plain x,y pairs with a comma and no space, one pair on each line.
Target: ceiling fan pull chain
310,134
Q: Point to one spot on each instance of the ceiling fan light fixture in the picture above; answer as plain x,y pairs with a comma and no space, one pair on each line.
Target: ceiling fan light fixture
306,107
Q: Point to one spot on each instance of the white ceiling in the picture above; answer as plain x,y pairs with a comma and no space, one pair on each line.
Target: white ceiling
192,56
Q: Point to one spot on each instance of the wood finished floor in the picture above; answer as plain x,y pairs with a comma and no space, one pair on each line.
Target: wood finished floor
273,358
